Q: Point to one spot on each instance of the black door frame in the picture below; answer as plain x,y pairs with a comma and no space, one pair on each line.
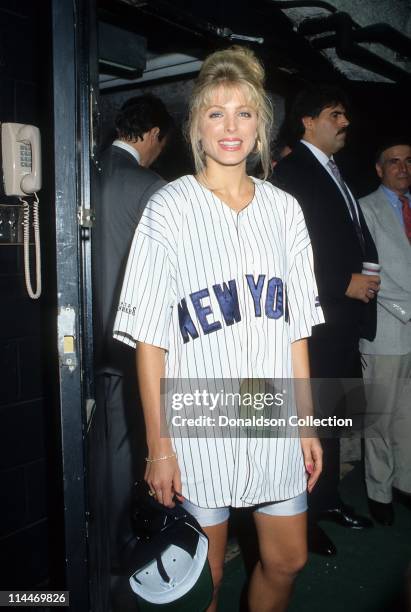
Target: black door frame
73,43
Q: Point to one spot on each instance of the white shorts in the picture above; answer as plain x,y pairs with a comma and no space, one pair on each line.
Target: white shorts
208,517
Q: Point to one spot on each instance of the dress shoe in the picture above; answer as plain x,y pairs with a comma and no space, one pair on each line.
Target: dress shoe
381,512
319,542
345,516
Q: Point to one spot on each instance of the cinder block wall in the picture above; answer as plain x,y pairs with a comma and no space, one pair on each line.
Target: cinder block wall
23,467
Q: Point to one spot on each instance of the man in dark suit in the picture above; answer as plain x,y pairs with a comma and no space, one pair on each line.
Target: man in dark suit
341,243
142,125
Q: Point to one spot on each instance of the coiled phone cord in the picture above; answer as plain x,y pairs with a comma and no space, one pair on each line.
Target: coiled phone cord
26,241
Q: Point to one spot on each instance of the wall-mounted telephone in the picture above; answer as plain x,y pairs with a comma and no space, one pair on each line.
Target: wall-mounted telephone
21,154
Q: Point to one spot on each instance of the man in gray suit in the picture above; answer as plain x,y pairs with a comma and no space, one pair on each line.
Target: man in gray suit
142,125
388,358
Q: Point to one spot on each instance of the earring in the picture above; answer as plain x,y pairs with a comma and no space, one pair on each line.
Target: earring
257,146
201,150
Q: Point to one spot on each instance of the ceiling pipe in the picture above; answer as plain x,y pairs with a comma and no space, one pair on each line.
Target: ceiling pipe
381,33
347,48
287,4
338,22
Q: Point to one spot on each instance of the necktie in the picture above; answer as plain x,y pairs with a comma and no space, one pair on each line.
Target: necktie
406,215
334,169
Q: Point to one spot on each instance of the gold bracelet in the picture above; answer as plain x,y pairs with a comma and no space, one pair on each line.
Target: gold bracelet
161,458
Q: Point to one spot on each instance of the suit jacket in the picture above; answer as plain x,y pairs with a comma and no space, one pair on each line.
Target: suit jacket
337,250
394,298
124,191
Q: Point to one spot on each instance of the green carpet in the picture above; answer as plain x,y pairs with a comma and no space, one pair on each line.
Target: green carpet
367,575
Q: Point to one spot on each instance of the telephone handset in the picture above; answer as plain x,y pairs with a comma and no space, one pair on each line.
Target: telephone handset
21,153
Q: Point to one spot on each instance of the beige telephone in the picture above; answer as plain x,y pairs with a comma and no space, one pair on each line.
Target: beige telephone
21,153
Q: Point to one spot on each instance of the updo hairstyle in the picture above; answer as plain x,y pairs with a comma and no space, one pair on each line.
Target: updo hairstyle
234,67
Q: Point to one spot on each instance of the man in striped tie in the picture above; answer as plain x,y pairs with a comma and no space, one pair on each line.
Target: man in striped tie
388,357
341,243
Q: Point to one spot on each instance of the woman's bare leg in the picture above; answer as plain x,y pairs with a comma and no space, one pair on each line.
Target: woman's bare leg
283,553
217,541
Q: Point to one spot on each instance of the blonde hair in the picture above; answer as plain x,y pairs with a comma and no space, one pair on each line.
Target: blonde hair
233,67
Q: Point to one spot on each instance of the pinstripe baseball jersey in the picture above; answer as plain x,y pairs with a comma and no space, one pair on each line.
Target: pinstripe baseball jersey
225,293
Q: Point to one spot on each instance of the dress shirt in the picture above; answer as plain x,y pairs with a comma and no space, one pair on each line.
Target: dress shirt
124,145
323,159
393,199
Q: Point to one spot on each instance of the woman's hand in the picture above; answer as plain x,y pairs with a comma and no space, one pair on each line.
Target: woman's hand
310,444
164,479
313,460
162,475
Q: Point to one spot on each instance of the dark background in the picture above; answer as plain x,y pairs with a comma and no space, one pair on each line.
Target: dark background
30,510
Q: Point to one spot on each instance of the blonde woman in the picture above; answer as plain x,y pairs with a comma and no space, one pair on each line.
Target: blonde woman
220,285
